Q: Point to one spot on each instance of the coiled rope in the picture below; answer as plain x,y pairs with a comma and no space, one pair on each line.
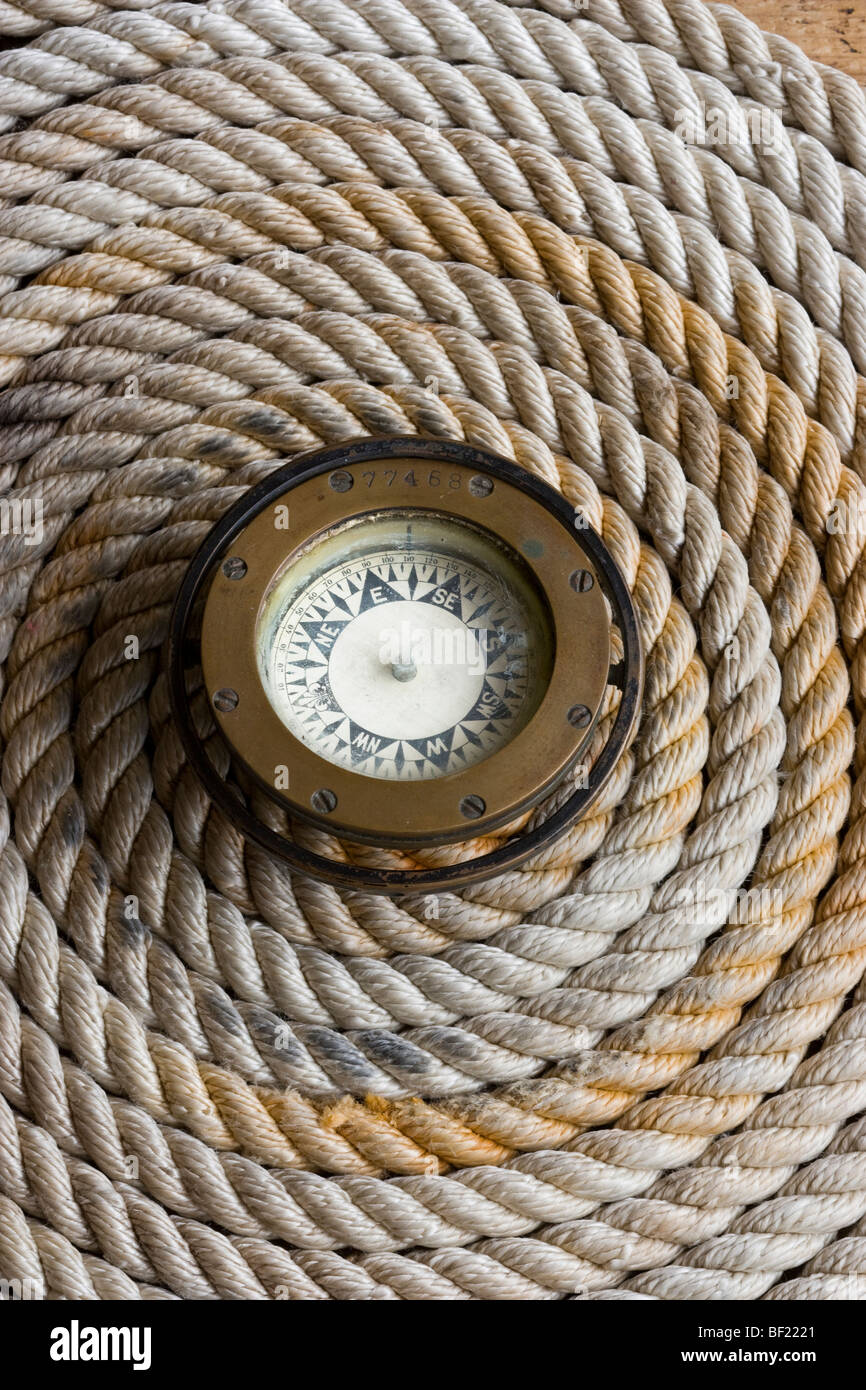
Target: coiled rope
231,232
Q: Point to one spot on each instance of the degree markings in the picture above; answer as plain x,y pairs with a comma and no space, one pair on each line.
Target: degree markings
308,631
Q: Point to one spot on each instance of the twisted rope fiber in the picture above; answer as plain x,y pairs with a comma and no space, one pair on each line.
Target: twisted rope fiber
581,56
533,1009
577,194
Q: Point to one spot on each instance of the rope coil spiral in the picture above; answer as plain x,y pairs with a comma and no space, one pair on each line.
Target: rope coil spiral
230,232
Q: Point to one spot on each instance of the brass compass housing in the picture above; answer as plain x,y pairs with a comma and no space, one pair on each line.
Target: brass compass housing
406,643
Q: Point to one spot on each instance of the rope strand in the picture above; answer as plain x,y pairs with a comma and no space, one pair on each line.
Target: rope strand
232,233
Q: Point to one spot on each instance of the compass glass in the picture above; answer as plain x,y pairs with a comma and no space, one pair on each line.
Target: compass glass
405,645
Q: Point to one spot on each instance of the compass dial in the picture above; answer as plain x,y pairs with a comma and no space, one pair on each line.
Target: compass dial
405,646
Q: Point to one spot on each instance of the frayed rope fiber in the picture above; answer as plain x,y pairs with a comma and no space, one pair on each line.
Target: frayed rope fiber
624,243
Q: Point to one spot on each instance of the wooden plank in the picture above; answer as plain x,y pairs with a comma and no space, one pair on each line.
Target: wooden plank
830,31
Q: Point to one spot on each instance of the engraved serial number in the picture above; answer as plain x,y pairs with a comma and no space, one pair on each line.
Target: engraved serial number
414,477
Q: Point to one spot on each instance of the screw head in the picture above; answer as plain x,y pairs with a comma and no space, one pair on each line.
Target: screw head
225,700
341,481
323,801
480,485
581,581
234,567
579,716
472,807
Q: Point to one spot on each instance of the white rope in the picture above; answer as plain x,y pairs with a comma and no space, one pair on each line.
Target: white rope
230,232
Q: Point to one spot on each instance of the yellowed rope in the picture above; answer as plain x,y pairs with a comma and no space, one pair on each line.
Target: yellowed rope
561,1078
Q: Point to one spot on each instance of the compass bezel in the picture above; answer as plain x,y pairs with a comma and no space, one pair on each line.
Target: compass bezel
568,547
396,813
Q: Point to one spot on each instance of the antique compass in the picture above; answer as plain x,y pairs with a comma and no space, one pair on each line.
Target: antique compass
407,643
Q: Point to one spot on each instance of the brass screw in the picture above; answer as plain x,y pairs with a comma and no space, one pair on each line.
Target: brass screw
234,567
225,700
472,807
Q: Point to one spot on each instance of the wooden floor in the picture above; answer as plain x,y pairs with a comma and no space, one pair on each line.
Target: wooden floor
830,31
